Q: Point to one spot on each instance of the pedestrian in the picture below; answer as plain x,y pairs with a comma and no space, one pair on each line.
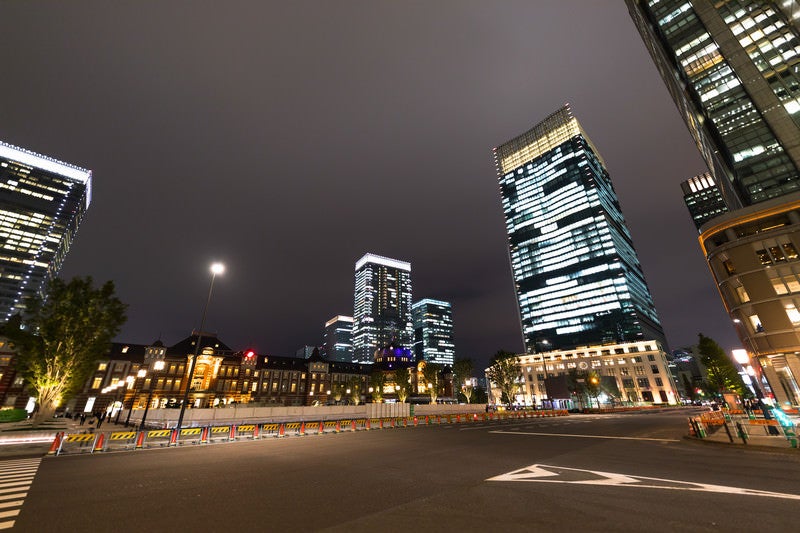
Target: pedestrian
83,418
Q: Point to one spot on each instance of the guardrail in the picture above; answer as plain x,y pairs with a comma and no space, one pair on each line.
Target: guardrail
745,426
72,443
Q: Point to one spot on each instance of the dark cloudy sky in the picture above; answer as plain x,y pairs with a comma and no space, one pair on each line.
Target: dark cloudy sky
287,139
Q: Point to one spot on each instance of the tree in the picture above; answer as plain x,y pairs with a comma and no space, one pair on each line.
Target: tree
505,373
462,372
722,375
354,390
431,373
377,381
593,385
60,339
402,383
337,391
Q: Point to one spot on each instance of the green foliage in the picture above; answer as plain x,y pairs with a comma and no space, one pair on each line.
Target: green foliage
354,386
402,379
505,373
432,374
377,381
60,339
13,415
722,374
462,371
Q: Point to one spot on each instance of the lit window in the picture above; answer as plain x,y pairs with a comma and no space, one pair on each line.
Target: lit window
792,313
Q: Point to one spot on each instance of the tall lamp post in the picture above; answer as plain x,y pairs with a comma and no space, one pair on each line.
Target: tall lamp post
158,366
216,268
139,375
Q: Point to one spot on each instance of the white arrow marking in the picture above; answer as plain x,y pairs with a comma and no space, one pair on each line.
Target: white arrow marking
535,473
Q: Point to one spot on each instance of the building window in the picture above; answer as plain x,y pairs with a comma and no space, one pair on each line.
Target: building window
627,383
659,383
639,370
756,323
651,357
729,269
102,367
97,382
625,371
643,383
792,313
654,369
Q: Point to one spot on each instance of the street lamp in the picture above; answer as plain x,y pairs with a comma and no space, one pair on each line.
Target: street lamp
140,374
216,268
158,366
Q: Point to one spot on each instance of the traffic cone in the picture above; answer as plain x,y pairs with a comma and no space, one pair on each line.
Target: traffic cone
255,431
354,425
98,443
173,438
54,448
204,436
321,429
691,429
140,440
338,426
282,430
302,431
366,425
232,435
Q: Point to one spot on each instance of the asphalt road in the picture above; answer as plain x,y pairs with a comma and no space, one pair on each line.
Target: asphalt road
434,478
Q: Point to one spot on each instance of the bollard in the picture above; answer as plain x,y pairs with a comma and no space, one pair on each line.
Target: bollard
56,446
98,442
140,440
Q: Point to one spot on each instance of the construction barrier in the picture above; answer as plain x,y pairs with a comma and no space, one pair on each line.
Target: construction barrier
72,442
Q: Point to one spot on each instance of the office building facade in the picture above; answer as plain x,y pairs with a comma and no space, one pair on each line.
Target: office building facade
339,339
382,306
42,203
433,331
733,70
577,276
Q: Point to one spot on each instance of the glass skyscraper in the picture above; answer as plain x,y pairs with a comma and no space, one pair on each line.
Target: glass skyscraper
339,339
733,69
433,331
578,279
42,203
382,306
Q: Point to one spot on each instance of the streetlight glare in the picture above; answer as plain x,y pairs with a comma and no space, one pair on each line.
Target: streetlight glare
217,268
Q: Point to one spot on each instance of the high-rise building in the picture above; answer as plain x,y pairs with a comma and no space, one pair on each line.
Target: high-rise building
703,198
578,278
382,306
42,203
733,70
339,339
433,331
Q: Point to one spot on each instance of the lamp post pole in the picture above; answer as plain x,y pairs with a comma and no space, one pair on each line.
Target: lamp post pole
139,375
158,366
216,268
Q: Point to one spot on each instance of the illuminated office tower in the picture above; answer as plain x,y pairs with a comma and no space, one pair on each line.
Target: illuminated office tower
339,339
733,69
703,198
42,202
382,306
433,331
578,279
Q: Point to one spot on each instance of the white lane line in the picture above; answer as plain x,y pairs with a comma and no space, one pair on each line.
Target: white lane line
9,514
581,436
27,475
15,503
535,473
7,525
15,489
13,496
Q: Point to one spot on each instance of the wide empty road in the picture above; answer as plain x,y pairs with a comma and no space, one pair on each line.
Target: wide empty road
630,472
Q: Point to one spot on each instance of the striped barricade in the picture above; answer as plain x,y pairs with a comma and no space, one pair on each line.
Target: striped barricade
158,437
77,442
374,423
292,428
118,440
248,431
218,433
330,426
269,430
361,424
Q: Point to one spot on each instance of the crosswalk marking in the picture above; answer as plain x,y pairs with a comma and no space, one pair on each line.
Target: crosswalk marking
16,477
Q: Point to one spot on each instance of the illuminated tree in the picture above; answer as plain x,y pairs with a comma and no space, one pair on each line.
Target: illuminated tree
61,338
462,372
722,375
402,383
505,373
431,373
377,381
354,390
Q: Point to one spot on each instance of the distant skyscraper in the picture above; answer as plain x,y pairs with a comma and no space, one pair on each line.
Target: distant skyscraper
382,307
339,339
703,198
732,69
433,331
42,203
578,279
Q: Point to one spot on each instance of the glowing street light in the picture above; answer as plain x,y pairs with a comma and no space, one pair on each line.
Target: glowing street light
216,268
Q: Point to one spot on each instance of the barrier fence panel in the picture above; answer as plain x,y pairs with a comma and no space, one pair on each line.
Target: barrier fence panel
247,430
269,430
76,442
120,440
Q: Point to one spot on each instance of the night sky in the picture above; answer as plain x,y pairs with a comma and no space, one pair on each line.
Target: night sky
287,139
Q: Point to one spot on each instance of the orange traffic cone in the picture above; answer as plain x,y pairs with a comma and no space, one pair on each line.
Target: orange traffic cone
54,448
